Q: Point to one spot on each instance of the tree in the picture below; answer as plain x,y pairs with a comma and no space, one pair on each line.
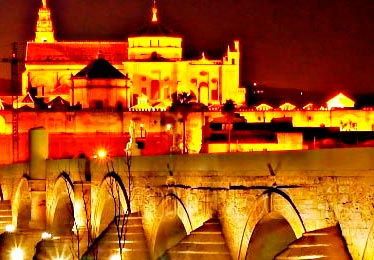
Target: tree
182,104
118,193
228,110
78,236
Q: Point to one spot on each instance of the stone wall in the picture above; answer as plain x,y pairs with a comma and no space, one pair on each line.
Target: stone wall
310,189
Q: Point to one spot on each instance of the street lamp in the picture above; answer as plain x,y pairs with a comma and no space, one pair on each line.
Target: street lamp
103,157
102,154
10,228
46,235
115,257
16,254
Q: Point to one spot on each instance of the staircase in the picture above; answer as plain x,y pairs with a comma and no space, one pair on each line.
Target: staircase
135,246
327,243
56,248
205,243
5,214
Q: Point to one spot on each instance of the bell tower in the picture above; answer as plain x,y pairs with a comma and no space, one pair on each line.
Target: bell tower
44,28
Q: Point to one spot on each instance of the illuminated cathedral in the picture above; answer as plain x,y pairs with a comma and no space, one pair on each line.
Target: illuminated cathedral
143,72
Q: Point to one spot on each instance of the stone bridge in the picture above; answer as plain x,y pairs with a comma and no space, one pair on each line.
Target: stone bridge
250,195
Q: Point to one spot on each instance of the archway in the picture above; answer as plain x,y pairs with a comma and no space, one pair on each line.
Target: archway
63,221
270,237
172,225
279,204
62,213
112,201
21,205
369,246
170,232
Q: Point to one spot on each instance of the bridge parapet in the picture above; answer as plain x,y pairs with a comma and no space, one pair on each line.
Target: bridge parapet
309,189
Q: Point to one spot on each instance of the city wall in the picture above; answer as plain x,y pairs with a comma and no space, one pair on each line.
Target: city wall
160,130
118,122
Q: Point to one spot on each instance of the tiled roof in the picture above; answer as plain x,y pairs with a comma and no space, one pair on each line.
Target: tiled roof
58,101
75,52
100,69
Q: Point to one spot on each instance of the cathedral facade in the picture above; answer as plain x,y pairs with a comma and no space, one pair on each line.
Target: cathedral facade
147,68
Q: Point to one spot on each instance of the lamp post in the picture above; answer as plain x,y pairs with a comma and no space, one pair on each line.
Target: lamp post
103,156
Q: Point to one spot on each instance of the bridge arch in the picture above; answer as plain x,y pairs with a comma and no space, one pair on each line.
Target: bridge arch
111,191
368,253
62,204
273,204
171,224
21,204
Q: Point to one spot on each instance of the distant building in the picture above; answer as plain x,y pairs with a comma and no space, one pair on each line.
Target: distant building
150,62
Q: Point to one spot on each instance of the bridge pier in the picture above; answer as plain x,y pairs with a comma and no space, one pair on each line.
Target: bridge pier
82,205
37,183
38,204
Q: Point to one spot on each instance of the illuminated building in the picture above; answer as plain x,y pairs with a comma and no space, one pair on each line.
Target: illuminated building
150,61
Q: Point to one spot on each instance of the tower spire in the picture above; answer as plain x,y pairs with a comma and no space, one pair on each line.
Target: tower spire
44,28
154,11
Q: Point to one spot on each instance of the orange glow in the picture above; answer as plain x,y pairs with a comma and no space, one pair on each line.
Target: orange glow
10,228
44,28
287,106
102,154
115,257
263,107
46,235
154,17
340,101
17,254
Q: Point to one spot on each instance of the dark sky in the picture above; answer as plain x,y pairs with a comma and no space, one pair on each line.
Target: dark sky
306,44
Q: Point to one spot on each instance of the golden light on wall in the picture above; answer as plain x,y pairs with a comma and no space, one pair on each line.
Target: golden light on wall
264,107
17,254
287,106
340,101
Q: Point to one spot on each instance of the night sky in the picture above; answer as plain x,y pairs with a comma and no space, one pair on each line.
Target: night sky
306,44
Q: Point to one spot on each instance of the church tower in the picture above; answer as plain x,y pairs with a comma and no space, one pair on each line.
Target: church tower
44,28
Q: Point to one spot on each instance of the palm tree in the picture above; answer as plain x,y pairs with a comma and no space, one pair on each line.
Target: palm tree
228,110
182,104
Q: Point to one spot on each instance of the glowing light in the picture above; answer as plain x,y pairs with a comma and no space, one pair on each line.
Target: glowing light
340,101
154,16
287,106
102,154
46,235
263,107
58,258
168,127
115,257
16,254
10,228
